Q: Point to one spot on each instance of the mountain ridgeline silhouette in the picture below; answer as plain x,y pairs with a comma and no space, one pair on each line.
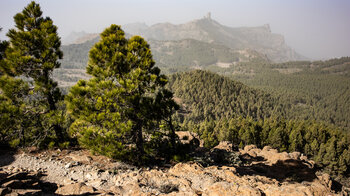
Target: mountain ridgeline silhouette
208,30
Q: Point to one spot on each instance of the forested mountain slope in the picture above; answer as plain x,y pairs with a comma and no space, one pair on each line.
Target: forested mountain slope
313,90
302,96
189,54
317,90
220,109
210,96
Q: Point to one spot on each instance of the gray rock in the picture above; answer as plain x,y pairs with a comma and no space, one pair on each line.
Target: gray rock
69,165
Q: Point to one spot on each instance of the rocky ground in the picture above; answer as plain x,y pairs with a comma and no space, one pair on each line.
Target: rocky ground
77,172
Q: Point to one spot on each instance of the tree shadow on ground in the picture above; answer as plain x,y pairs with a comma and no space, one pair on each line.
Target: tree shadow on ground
26,183
29,183
290,170
283,170
6,155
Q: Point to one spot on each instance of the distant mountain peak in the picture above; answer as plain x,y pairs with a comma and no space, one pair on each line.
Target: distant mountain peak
208,16
267,27
208,30
74,35
78,37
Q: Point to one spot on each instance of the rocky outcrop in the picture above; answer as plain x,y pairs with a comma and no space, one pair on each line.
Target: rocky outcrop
193,179
272,156
208,30
261,172
75,189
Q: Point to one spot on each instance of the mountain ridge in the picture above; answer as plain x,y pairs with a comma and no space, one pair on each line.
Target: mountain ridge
208,30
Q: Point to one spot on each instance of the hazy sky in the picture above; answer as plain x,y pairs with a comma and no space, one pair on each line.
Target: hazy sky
318,29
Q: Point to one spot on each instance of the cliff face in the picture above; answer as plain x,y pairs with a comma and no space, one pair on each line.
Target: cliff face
208,30
194,54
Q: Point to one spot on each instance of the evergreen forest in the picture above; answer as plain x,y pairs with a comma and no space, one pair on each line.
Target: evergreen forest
124,97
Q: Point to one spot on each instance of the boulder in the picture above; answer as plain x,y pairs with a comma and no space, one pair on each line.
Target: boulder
263,172
128,189
186,137
194,173
297,189
326,180
252,153
164,183
295,155
249,147
97,183
267,148
225,145
26,192
75,189
225,188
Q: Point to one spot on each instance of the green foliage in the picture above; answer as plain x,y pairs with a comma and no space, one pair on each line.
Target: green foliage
219,109
123,100
76,56
187,54
301,89
124,110
95,106
210,96
309,90
325,144
30,96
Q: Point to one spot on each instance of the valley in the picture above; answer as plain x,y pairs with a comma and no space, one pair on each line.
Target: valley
301,86
190,108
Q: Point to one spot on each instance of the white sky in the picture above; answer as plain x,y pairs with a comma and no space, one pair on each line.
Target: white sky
318,29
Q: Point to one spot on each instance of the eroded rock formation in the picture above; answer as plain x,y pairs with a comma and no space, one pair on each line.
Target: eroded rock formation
262,172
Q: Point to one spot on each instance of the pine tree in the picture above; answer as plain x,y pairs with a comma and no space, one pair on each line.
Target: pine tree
32,54
13,119
124,95
8,109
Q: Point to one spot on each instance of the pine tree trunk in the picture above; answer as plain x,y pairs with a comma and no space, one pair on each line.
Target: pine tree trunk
139,139
138,129
173,134
57,127
52,104
59,132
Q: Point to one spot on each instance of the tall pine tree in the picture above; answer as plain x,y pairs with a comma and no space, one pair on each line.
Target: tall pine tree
119,103
32,55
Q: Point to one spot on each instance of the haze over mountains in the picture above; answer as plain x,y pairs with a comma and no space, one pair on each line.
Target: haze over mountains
251,55
208,30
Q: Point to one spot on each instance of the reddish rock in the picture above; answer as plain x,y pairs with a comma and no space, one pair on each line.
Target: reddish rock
75,189
224,188
224,145
26,192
